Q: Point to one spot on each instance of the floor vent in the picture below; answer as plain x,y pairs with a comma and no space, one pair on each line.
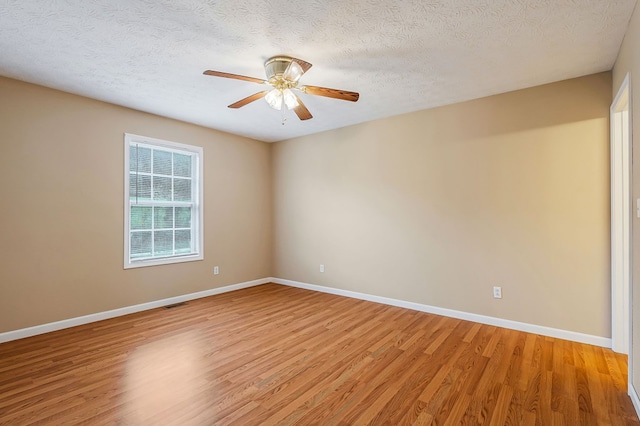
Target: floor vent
175,305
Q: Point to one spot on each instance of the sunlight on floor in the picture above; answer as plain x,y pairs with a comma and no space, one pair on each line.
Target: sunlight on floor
164,375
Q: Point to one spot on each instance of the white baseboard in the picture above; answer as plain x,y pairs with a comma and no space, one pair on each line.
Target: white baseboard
634,397
72,322
499,322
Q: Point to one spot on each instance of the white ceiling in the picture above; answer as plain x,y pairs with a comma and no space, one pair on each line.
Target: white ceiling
401,56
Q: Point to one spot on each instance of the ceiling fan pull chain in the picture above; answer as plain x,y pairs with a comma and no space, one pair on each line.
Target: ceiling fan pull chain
284,118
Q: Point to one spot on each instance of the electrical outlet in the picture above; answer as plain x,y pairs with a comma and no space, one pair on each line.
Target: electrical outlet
321,268
216,270
497,292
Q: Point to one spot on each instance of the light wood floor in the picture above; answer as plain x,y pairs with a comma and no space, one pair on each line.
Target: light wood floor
278,355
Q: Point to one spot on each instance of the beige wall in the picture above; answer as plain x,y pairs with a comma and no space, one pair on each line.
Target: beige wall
61,222
434,207
628,61
438,206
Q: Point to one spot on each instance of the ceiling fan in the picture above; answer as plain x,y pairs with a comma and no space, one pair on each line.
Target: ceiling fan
283,73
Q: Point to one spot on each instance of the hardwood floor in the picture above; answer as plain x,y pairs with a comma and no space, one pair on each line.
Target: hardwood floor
278,355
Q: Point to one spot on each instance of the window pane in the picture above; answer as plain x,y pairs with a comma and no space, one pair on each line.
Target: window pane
182,188
183,217
139,159
140,244
163,243
183,242
163,217
139,187
182,165
161,162
161,188
140,217
133,186
133,158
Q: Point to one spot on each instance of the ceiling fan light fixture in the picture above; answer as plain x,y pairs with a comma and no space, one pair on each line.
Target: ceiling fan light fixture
290,99
293,72
274,99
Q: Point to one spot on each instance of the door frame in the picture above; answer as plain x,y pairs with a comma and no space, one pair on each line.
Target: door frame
620,154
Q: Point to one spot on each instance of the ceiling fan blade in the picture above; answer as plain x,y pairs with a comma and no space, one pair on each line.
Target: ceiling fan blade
331,93
301,111
249,99
234,76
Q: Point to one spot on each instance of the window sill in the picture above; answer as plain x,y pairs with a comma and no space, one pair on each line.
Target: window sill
162,261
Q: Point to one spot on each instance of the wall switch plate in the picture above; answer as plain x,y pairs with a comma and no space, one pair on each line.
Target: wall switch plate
216,270
321,268
497,292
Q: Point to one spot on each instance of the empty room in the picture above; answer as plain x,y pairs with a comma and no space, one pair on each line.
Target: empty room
334,213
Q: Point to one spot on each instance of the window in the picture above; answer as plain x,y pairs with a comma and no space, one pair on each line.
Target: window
163,202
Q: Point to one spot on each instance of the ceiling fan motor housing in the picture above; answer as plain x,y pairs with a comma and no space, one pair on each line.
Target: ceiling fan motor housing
276,66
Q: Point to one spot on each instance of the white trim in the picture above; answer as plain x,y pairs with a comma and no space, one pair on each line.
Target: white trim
624,86
198,203
620,153
634,397
499,322
72,322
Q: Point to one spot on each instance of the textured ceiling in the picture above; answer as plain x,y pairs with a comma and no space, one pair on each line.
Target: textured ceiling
401,56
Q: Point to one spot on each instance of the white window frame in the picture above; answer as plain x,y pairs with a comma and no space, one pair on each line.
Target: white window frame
198,207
